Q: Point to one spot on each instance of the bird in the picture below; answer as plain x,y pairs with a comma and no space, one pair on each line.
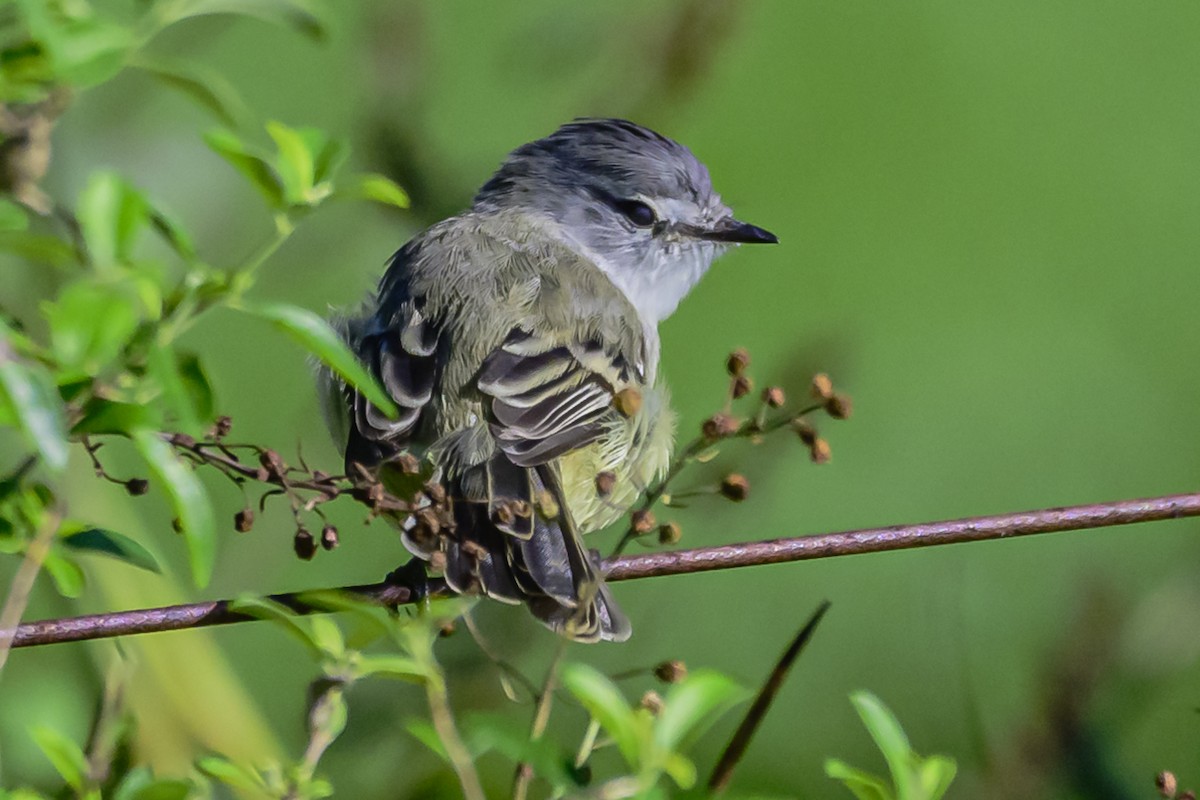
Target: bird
519,341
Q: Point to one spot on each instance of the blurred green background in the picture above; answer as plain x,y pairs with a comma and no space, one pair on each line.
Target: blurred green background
990,227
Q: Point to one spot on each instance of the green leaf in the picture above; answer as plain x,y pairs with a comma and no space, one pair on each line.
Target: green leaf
189,499
267,609
107,416
508,737
231,774
319,338
38,248
423,731
693,705
206,87
327,636
166,789
295,163
253,166
187,398
67,575
374,187
934,776
681,769
862,785
66,756
27,392
90,324
604,701
12,216
112,544
306,16
889,737
111,215
385,666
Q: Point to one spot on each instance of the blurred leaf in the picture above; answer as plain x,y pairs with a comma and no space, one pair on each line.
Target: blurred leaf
67,575
296,163
112,544
166,789
315,335
205,86
378,188
934,776
190,501
66,756
174,234
862,785
107,416
111,215
84,48
231,774
510,738
187,398
327,636
12,216
267,609
306,16
388,666
423,731
38,248
681,769
328,154
604,701
27,392
693,705
253,166
329,713
885,729
90,324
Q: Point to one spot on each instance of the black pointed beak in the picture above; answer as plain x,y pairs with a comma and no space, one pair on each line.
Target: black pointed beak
735,232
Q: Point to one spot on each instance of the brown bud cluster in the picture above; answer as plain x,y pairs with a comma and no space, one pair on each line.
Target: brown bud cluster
719,426
272,463
822,386
774,397
805,430
222,427
741,386
735,487
605,483
672,671
628,401
137,486
652,701
304,544
547,506
737,362
643,522
408,463
1166,783
819,451
670,533
329,537
243,520
838,406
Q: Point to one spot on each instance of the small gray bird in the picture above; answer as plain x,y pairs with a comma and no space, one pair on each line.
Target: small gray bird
520,341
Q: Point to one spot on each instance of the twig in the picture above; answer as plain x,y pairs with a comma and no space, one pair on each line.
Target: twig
723,772
678,562
541,718
22,584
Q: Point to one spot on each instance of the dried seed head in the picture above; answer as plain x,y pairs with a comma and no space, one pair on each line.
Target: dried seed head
672,671
774,396
718,426
643,521
329,537
137,486
408,463
223,426
1188,795
822,387
737,362
628,401
474,549
436,492
243,520
735,487
304,544
1166,783
262,475
504,514
669,533
183,440
447,628
605,483
741,386
838,406
652,701
437,561
805,430
819,451
272,463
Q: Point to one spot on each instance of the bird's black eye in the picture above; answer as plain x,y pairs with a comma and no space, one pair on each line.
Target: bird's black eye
637,212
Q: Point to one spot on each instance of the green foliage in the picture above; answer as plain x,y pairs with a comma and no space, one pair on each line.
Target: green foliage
913,777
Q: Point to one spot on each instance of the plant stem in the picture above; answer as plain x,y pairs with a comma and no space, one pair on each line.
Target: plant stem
22,585
541,718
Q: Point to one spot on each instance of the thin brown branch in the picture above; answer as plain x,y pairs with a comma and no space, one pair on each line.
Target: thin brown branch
22,584
723,772
652,565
